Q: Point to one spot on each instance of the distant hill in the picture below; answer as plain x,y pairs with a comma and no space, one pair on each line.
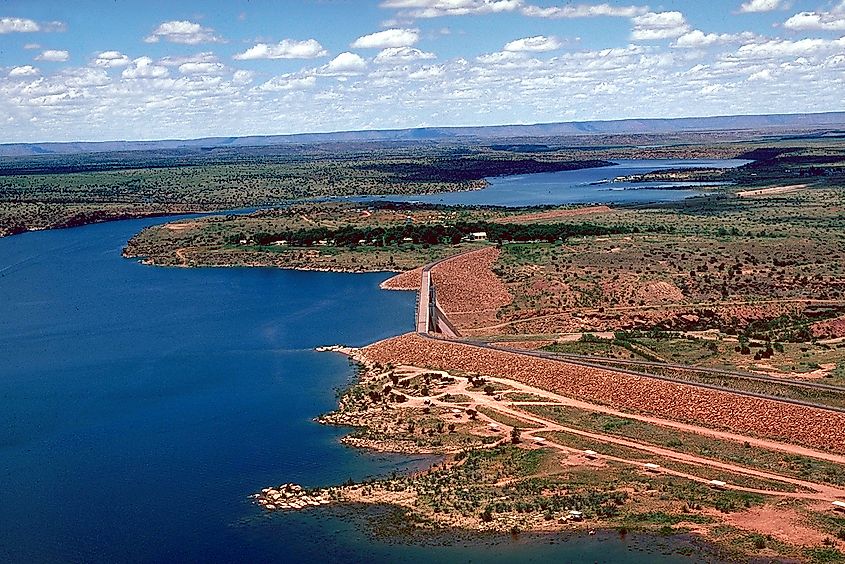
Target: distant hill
773,122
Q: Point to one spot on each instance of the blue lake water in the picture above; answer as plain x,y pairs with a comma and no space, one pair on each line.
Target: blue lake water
588,185
140,406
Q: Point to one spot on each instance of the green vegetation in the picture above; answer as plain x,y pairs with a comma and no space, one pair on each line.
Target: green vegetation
802,467
507,420
55,190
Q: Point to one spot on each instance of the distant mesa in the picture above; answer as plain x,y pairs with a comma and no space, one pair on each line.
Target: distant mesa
772,122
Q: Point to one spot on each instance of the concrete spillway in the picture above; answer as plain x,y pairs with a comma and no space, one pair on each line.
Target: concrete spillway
430,318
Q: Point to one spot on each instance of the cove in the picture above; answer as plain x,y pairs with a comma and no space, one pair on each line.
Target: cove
140,406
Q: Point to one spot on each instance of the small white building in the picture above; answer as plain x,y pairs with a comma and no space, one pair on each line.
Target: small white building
478,236
574,515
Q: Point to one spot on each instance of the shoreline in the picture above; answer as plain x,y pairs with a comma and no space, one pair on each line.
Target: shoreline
704,525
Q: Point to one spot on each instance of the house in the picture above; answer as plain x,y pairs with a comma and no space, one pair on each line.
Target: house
574,515
838,505
478,236
591,454
718,484
651,467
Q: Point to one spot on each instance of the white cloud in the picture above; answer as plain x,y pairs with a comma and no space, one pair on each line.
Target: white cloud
84,77
345,64
284,49
400,87
53,26
760,6
505,58
53,55
110,59
429,72
18,25
203,57
822,21
143,67
538,43
26,70
287,82
31,46
765,75
659,25
242,77
202,68
387,38
777,48
438,8
183,31
584,11
402,55
697,39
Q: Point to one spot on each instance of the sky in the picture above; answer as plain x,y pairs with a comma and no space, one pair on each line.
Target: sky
123,69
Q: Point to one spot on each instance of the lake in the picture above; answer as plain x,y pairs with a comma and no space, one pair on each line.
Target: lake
140,406
583,186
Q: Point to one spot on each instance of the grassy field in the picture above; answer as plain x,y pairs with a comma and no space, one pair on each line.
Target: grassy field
802,467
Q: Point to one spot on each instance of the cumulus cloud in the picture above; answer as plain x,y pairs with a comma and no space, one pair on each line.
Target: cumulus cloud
18,25
584,11
175,61
659,25
242,77
84,77
288,82
53,26
822,21
429,72
284,49
199,94
53,56
183,31
110,59
439,8
760,6
202,68
402,55
513,58
697,39
345,64
143,67
538,43
26,70
387,38
777,48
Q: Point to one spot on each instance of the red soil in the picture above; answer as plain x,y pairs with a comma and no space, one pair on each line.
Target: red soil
831,328
408,280
769,419
468,290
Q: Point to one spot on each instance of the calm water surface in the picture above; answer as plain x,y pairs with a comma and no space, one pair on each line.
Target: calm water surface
140,406
583,186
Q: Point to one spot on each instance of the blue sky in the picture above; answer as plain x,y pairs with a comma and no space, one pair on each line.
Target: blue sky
100,70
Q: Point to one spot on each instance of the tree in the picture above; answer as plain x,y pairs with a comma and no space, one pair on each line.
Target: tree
515,432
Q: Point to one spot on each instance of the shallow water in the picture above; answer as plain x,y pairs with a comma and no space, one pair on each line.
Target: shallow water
140,406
